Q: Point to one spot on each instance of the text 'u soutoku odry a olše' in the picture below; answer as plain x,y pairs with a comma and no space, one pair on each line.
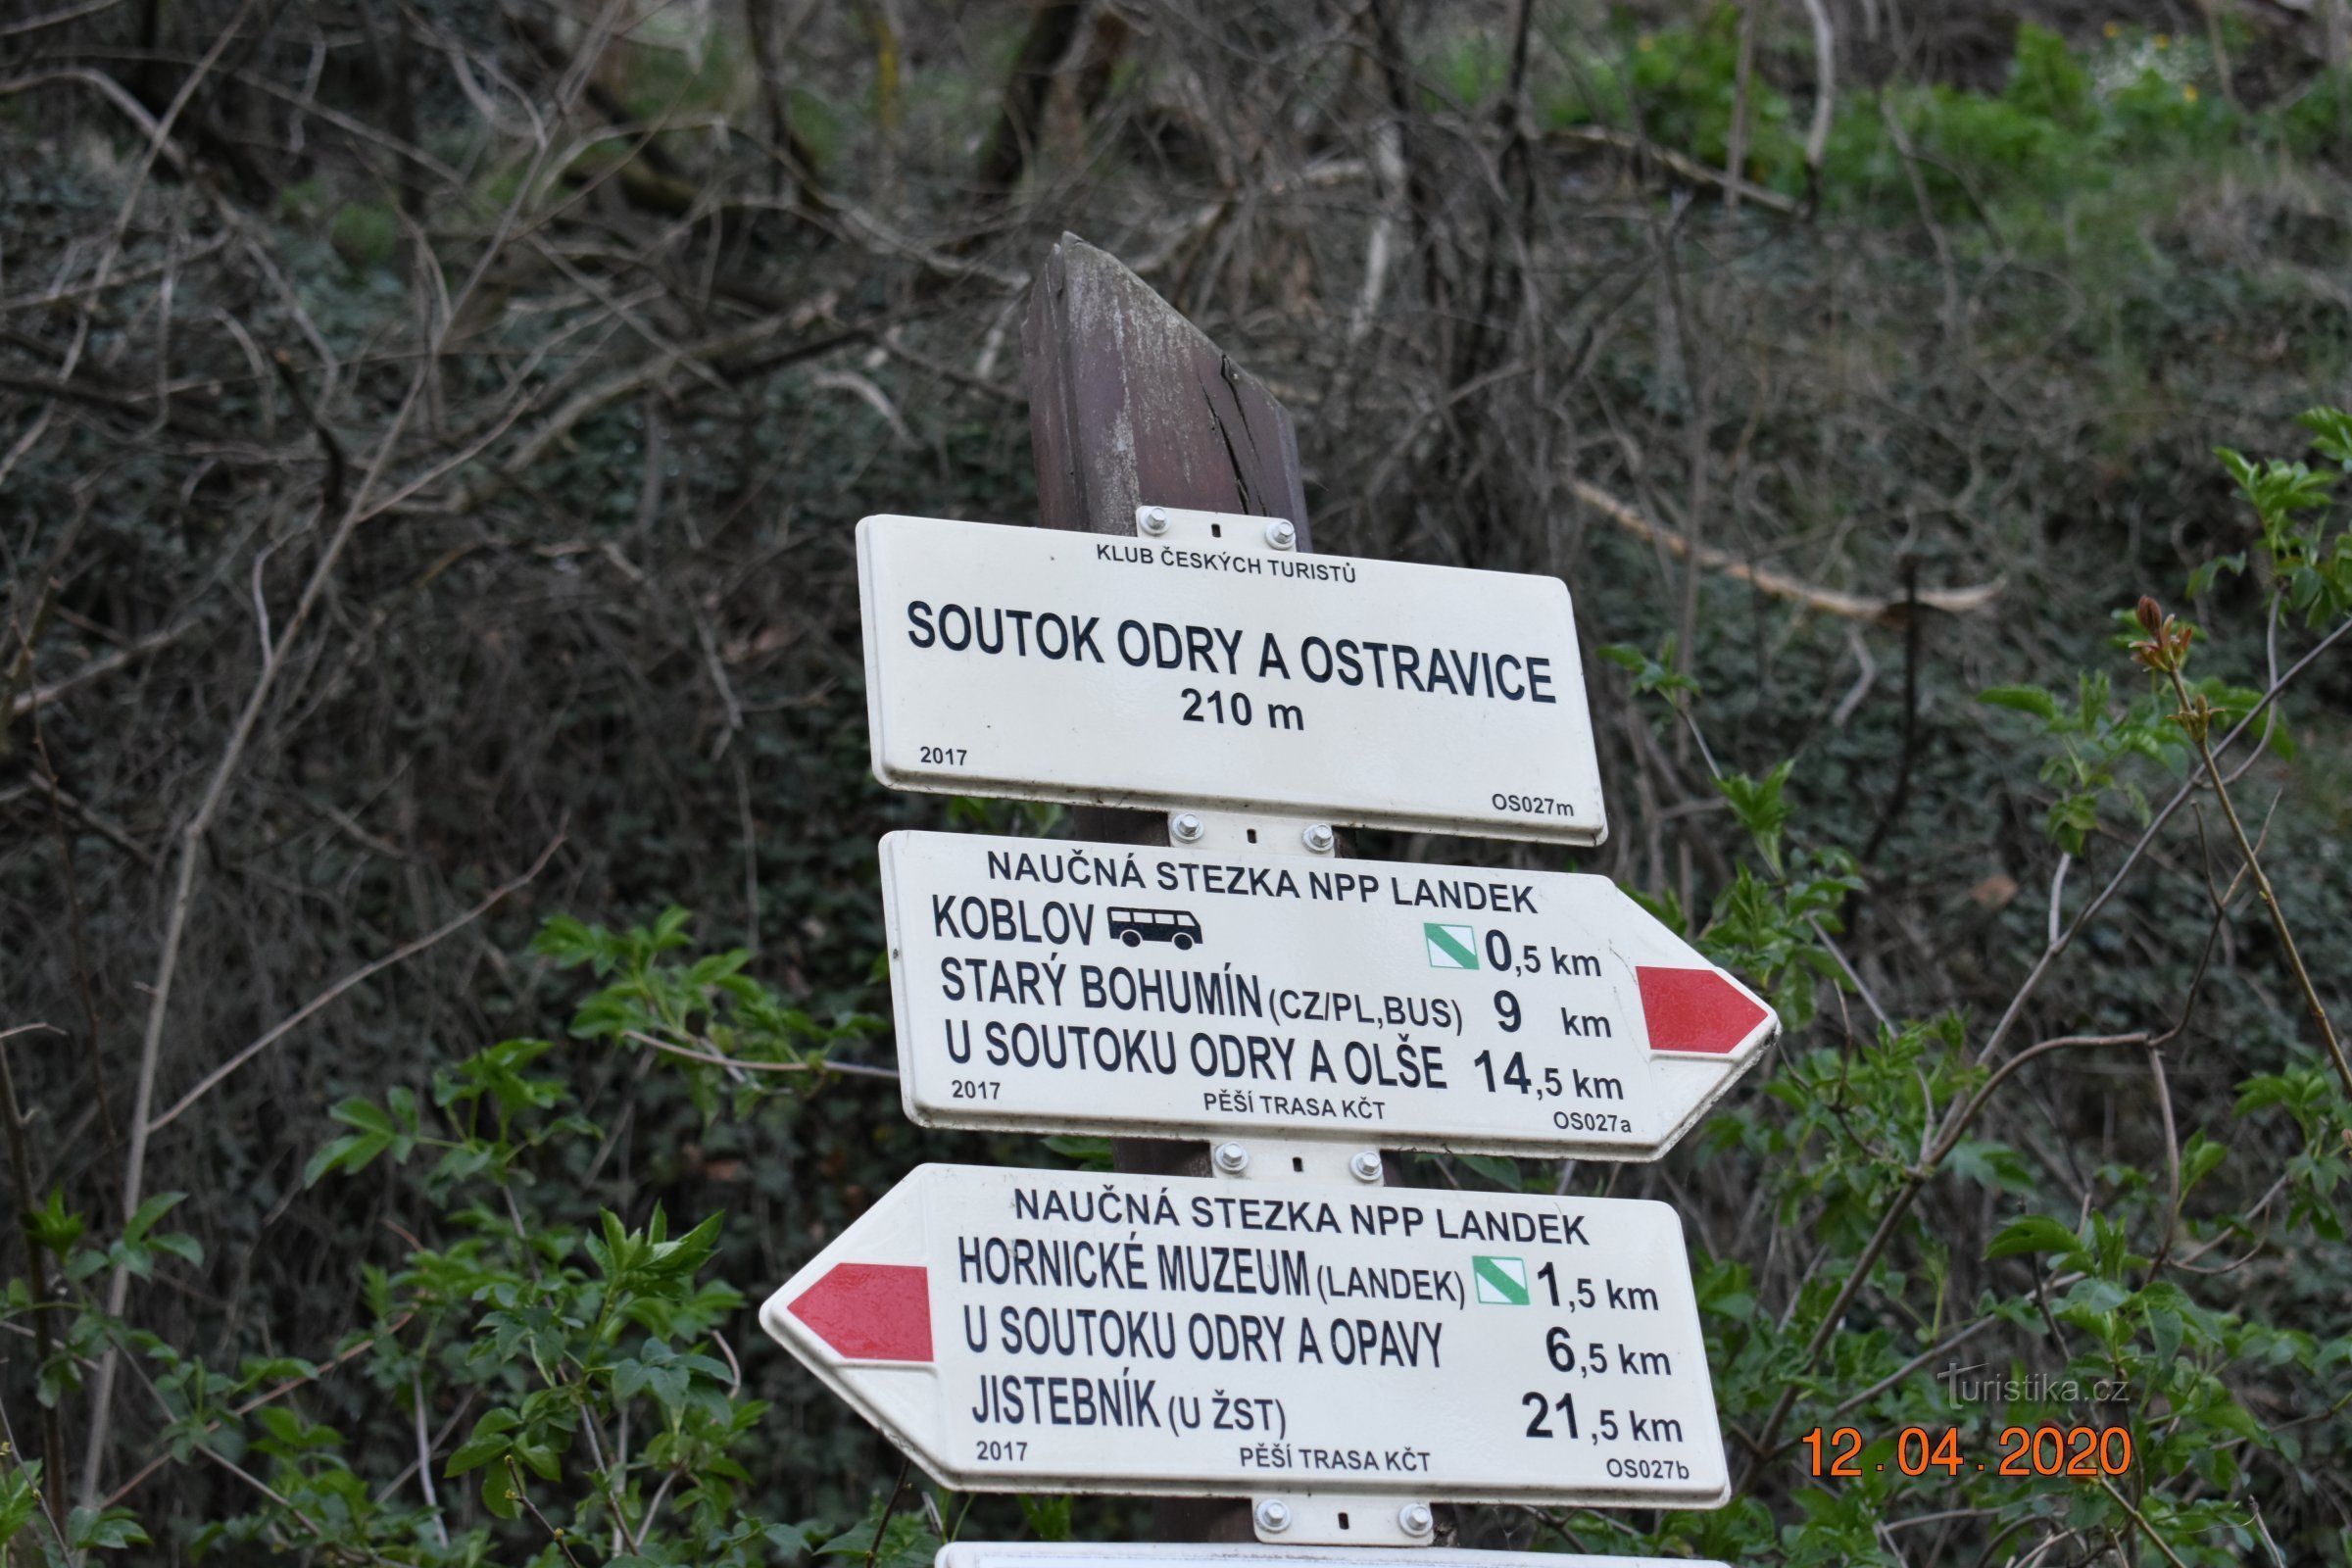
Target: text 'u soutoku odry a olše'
1288,1328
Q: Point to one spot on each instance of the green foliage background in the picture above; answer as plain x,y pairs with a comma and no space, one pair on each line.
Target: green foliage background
431,438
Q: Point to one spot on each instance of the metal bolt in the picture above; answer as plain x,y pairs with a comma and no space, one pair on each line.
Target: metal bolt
1281,535
1273,1514
1232,1158
1365,1163
1319,837
1156,519
1416,1519
1185,827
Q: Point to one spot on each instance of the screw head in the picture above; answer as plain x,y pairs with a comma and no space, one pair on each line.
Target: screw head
1319,837
1154,520
1232,1158
1273,1515
1281,535
1185,827
1365,1163
1416,1519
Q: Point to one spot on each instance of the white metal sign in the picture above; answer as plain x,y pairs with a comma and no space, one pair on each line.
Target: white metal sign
1189,1554
1203,668
1164,992
1023,1330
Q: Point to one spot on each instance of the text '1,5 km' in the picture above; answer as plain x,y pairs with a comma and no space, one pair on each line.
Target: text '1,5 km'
1204,668
1166,992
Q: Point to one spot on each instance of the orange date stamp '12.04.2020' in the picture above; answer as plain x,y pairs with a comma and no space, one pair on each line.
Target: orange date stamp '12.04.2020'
2082,1453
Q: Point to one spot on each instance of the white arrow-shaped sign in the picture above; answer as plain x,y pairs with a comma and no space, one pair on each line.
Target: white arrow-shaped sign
1102,988
1031,1330
1189,1554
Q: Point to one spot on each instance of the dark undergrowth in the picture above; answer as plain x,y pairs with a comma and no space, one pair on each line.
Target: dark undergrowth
429,440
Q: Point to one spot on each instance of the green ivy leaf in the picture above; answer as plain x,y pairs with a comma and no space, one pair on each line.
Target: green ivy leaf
2025,699
499,1494
2201,581
53,1226
541,1458
376,1133
135,1229
491,1439
2200,1159
2331,430
1502,1172
1088,1154
679,1259
187,1248
104,1530
1650,676
1761,807
2034,1232
21,1496
1049,1517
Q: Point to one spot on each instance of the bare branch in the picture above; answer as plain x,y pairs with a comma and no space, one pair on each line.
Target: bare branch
1952,601
366,971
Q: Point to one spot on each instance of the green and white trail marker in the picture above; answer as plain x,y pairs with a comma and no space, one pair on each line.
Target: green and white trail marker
1452,947
1501,1281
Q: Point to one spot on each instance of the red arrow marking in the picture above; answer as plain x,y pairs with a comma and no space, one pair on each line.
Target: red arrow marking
1696,1009
870,1312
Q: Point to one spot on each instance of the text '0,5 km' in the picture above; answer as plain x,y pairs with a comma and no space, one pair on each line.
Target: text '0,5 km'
1025,1330
1200,667
1100,988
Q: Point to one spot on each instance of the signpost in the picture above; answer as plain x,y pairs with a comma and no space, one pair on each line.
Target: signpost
1019,1330
1175,993
1087,1554
1289,1329
1204,663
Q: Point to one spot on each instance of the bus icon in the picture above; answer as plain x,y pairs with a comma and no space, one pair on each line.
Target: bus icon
1135,927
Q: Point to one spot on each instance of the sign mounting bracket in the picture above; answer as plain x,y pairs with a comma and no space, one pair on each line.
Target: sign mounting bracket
1187,528
1309,1519
1325,1161
1193,828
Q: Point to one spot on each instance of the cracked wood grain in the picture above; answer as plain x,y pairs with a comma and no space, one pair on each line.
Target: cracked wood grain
1132,405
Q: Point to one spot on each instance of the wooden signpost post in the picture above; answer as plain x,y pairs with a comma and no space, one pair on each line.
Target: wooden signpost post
1248,1310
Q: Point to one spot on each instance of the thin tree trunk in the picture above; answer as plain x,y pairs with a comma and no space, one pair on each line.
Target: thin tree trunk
2333,46
1006,153
1735,160
1825,97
